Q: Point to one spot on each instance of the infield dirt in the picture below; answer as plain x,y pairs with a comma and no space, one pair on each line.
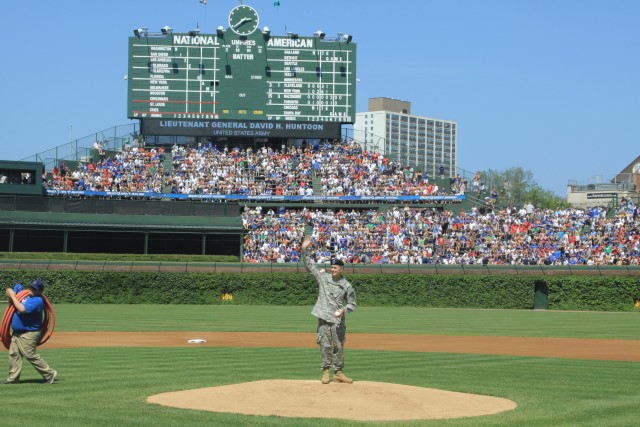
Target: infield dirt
363,400
571,348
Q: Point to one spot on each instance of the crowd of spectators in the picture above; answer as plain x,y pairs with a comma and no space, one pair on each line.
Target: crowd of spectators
207,170
342,168
409,235
401,235
132,170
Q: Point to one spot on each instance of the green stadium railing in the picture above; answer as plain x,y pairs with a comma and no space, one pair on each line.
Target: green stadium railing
236,267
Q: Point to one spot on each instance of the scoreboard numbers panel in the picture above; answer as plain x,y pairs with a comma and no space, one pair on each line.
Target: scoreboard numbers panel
238,77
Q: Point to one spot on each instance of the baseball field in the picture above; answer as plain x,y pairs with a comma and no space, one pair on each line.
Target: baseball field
118,365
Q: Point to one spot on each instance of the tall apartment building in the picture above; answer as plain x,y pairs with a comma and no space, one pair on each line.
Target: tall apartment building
422,142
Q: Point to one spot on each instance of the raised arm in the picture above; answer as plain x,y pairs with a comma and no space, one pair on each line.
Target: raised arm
308,261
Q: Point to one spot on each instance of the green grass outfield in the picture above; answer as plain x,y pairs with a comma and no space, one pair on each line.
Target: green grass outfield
108,386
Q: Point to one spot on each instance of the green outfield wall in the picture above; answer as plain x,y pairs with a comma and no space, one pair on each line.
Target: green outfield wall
600,293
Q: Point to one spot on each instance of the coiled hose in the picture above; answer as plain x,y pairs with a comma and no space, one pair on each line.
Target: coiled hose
48,321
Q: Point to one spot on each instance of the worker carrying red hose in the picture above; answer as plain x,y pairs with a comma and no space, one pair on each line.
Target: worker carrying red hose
27,324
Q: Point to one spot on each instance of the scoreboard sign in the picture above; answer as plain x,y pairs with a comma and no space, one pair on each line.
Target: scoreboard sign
239,128
241,73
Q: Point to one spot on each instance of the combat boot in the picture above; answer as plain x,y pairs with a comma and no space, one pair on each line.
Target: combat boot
340,377
325,376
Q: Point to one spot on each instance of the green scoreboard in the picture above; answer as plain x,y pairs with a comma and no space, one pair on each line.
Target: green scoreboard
241,73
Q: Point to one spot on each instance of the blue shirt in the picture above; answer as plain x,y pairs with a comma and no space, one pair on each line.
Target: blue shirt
31,319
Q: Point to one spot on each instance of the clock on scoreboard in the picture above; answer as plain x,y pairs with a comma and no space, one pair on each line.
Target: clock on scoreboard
243,20
242,72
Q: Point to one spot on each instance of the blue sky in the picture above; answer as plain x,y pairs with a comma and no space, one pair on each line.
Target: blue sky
548,85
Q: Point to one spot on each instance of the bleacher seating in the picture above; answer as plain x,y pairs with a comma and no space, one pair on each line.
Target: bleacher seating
404,234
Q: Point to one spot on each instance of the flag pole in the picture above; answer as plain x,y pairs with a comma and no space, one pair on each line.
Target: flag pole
204,2
276,3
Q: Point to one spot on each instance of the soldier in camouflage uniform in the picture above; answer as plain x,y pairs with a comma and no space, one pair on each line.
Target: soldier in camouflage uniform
336,298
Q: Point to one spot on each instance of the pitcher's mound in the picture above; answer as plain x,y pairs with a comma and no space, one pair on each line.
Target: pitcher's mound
362,401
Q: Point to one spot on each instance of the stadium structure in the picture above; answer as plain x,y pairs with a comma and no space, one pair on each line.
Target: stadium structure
240,90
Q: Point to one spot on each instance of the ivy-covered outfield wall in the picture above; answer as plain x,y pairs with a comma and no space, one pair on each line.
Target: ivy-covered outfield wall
615,293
